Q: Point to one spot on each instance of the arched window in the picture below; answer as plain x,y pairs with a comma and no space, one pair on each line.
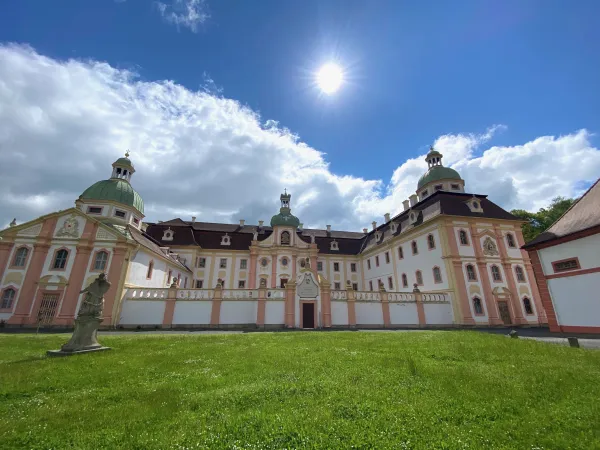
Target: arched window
510,240
464,240
527,306
437,275
7,298
415,249
471,274
169,280
400,253
520,274
496,274
101,260
20,257
430,241
150,270
419,277
60,259
404,280
477,306
285,238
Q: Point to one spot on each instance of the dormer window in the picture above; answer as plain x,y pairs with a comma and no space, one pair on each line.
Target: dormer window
378,235
454,187
94,210
439,187
424,193
119,213
393,227
225,239
475,205
168,234
334,245
412,217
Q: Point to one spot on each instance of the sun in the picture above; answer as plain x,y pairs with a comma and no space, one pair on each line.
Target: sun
330,77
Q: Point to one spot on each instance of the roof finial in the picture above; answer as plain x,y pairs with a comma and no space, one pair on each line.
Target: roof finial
285,191
127,154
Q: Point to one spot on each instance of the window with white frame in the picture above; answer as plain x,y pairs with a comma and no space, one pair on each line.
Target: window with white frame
387,257
337,286
390,283
199,284
437,275
404,280
510,240
400,253
21,257
223,263
336,267
371,285
243,264
7,298
60,260
477,306
464,240
496,276
430,242
471,275
241,284
520,274
355,286
419,277
352,267
101,260
320,266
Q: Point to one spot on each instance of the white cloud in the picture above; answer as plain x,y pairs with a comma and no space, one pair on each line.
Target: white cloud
184,13
62,123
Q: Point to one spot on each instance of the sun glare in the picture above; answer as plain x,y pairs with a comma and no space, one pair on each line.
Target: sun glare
329,78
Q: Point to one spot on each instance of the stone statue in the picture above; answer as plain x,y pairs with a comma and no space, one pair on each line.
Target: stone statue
89,318
307,263
255,235
312,238
263,283
93,302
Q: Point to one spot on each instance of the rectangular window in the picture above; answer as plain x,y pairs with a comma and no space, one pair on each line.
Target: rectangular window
243,264
199,284
439,187
320,266
400,253
242,284
94,210
336,267
185,283
369,264
565,265
352,267
223,263
377,261
201,262
387,257
119,213
456,187
424,193
283,282
136,220
336,286
355,286
370,285
390,283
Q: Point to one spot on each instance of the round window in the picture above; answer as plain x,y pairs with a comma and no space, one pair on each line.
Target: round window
284,261
264,262
475,205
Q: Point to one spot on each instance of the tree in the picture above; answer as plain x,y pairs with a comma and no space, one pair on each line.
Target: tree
544,218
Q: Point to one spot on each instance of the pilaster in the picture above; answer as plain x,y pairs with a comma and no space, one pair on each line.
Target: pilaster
170,306
420,308
261,307
385,307
351,308
290,306
215,313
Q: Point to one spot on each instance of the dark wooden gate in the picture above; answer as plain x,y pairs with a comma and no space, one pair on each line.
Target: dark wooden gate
504,312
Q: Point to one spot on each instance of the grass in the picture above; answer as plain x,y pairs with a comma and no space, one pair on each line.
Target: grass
443,390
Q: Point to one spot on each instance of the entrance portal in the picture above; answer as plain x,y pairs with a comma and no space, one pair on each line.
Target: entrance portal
308,315
504,312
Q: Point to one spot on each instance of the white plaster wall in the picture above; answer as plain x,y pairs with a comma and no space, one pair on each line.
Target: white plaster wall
139,269
236,312
503,274
576,300
425,261
403,314
139,312
438,313
339,313
368,313
464,250
274,313
382,272
192,313
586,249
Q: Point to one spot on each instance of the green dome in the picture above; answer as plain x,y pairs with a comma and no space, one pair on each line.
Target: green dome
437,173
116,190
285,218
123,162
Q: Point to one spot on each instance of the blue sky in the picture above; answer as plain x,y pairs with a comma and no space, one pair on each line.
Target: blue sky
416,72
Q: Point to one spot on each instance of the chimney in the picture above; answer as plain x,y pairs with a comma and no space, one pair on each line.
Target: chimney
193,219
406,205
260,223
386,216
329,228
374,225
365,230
242,222
413,200
160,221
301,226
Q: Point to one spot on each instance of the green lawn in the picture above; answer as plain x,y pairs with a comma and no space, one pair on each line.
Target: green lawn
443,390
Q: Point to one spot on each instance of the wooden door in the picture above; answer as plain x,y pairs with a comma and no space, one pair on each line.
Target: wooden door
308,315
504,312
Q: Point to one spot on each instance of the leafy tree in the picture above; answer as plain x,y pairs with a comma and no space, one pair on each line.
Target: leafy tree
541,220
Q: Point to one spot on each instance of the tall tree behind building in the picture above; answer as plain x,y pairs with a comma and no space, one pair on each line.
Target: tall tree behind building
541,220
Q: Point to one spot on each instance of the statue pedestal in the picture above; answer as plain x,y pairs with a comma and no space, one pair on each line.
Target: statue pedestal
84,339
